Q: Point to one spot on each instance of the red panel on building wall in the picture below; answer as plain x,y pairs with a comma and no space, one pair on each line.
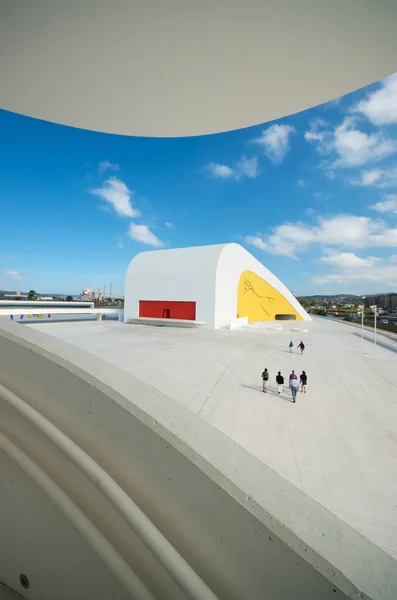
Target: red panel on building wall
163,309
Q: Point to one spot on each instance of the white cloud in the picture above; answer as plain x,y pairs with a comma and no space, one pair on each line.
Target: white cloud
335,101
120,242
371,177
388,205
355,148
12,274
168,224
352,268
344,231
275,142
248,167
385,239
255,240
348,146
380,178
245,167
348,260
105,165
317,131
380,107
222,171
303,183
118,196
142,233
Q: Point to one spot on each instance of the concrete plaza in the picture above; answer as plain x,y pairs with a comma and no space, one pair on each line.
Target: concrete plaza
338,443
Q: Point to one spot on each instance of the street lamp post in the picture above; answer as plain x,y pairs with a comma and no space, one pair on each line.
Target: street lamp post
362,326
375,315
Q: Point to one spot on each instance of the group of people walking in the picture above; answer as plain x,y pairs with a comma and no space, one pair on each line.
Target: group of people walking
293,381
301,346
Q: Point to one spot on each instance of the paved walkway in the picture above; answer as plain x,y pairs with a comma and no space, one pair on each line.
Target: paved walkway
338,442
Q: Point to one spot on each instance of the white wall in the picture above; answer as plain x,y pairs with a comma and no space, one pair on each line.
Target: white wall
242,527
184,274
208,275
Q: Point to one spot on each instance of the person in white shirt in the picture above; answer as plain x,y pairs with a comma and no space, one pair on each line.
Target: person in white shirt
280,382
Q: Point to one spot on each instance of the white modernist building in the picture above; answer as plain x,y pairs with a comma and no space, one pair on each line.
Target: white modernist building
216,286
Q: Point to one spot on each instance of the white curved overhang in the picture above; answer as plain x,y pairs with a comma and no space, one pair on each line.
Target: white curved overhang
177,68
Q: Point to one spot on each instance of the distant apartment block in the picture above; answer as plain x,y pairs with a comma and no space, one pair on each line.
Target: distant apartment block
385,301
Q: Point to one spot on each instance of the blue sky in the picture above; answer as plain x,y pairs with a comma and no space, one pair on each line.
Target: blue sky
312,196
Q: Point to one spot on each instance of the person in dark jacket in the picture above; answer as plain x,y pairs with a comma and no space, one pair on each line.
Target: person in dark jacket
301,346
303,381
265,379
280,382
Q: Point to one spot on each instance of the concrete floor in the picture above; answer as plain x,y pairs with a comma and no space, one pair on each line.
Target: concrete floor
338,443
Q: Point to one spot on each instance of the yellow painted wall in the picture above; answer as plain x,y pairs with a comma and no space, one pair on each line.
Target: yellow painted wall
259,301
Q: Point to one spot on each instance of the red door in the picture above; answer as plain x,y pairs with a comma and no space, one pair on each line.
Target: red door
164,309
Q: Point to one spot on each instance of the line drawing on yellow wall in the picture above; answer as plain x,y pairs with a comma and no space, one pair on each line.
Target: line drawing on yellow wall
248,287
258,300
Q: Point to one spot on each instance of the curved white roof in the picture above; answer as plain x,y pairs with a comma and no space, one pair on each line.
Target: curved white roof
182,68
178,262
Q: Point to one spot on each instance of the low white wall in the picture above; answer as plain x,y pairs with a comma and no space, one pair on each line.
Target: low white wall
166,322
236,323
242,528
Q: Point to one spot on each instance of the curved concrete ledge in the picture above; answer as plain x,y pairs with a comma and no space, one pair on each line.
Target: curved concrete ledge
240,527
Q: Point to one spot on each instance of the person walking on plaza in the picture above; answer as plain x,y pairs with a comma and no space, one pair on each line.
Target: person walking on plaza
290,346
292,376
265,378
301,346
294,385
280,382
303,380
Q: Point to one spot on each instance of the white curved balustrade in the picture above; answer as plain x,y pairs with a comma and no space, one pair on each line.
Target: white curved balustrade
111,489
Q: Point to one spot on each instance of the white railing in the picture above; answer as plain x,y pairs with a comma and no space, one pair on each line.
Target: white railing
59,311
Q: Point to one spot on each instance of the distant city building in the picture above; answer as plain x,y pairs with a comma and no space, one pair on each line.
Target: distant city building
383,301
17,296
89,294
369,301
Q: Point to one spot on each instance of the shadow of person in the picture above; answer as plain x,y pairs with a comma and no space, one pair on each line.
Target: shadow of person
257,388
